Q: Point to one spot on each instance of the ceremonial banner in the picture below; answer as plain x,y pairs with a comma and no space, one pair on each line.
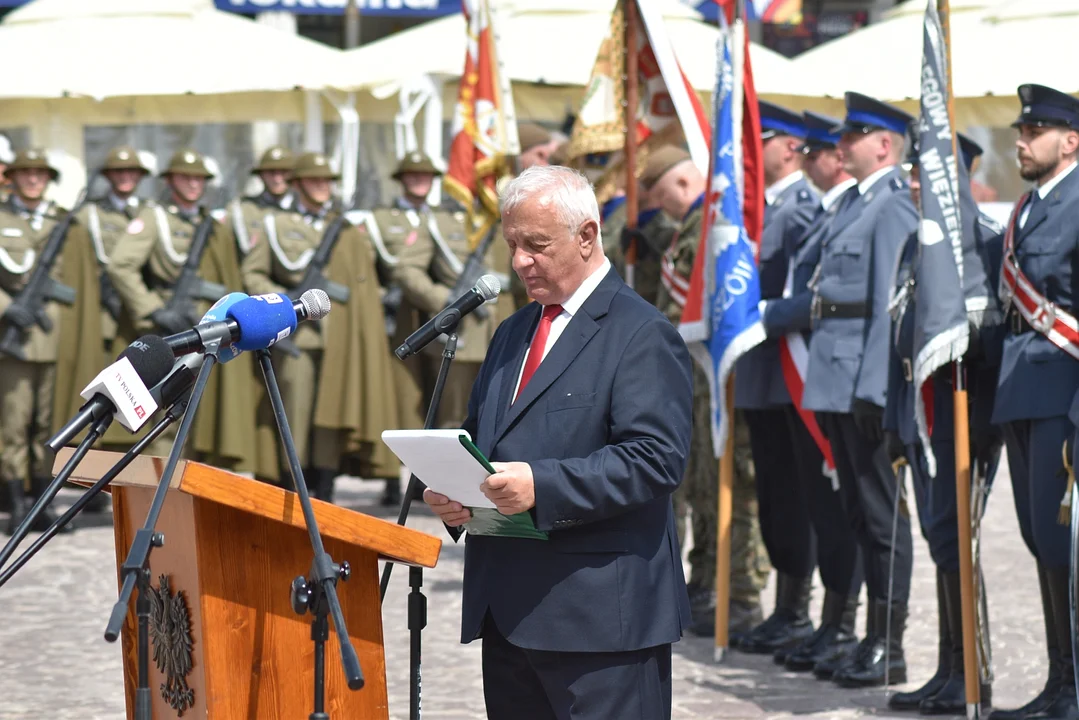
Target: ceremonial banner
667,100
484,124
728,323
776,12
951,282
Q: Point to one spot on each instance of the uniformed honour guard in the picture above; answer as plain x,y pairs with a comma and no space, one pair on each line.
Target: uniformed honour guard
1039,367
246,213
788,319
336,383
427,271
144,268
760,392
107,218
57,346
653,235
846,378
678,187
6,156
945,691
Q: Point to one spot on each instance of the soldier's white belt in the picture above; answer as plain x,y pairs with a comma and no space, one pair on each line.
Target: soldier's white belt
1019,295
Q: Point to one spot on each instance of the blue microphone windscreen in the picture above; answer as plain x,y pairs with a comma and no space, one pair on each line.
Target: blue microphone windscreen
263,320
219,311
151,357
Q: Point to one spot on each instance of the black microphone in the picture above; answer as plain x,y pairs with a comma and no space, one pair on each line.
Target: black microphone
446,321
151,360
251,323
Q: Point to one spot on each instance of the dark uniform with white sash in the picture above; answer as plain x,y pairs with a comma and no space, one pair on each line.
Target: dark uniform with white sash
1039,375
846,383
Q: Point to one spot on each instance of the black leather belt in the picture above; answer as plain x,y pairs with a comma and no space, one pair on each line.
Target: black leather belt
823,310
1018,324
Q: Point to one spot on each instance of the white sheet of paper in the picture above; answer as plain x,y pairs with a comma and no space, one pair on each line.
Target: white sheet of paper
438,458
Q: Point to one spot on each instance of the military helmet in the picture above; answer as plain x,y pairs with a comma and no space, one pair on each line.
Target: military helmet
31,159
124,157
313,165
275,158
188,162
415,162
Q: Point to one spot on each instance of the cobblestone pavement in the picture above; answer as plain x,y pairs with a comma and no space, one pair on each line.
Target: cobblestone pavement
54,663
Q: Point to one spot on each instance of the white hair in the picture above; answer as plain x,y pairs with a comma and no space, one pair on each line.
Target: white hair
563,189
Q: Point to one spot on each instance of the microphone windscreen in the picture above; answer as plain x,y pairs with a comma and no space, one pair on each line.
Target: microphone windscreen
489,286
219,312
151,357
263,320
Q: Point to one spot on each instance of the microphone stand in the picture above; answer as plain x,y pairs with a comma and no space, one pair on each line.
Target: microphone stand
96,431
175,411
136,569
417,603
317,593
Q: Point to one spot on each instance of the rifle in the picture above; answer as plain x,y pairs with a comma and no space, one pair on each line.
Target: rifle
473,270
189,287
41,287
314,276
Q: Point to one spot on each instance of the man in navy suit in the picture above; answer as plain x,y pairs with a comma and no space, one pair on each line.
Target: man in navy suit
584,406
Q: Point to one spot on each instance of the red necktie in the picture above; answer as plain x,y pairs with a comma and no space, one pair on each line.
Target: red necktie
539,342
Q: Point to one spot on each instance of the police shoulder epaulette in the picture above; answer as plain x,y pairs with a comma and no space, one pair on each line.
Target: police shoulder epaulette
990,224
804,196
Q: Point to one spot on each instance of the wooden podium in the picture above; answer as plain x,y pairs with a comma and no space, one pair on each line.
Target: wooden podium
232,549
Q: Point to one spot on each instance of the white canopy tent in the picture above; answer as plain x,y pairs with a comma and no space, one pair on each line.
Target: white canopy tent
991,57
548,48
125,62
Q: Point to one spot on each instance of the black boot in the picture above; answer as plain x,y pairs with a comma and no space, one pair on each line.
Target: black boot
788,624
1064,705
1052,684
835,636
391,494
951,698
913,700
17,502
884,651
843,659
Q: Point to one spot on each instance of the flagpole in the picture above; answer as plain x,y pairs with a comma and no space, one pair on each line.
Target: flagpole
967,591
630,147
725,496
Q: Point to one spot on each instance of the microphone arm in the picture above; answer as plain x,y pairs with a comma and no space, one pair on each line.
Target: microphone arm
172,414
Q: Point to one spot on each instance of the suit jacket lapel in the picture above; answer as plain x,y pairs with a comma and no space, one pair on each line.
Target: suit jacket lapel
581,328
1041,210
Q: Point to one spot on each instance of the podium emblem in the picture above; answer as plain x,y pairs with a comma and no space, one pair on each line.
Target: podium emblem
170,631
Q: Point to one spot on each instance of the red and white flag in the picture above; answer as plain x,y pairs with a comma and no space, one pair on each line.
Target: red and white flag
484,122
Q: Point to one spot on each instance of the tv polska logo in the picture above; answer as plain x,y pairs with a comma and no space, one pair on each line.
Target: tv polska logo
140,411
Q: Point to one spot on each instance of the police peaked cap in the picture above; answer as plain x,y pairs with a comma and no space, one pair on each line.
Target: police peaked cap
865,115
778,120
820,133
1044,106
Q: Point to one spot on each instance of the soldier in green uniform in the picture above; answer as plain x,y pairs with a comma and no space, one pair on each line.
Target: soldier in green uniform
676,185
143,268
6,157
106,220
312,383
246,213
654,234
35,391
427,271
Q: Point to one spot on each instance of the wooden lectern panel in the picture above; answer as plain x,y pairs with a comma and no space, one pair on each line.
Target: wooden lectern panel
233,546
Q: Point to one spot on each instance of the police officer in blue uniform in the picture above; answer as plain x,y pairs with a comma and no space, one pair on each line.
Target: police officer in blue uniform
846,379
945,692
761,393
837,554
1037,378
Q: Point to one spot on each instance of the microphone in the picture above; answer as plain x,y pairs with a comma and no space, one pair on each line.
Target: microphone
120,389
219,312
485,290
253,323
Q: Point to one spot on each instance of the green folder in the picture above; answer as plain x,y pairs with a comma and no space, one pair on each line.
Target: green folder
488,521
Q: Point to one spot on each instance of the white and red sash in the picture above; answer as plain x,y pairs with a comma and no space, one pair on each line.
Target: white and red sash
1059,326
